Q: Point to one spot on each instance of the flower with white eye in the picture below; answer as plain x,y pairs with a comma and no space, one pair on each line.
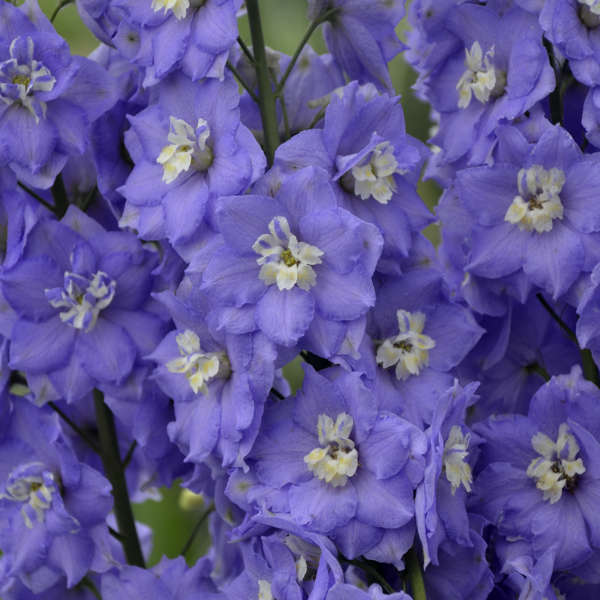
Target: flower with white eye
481,79
337,458
187,148
409,350
538,202
199,367
556,469
284,260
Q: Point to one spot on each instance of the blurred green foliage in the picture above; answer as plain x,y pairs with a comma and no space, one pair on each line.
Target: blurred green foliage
284,23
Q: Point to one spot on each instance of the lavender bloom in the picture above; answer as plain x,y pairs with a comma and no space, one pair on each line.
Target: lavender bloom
373,164
85,290
419,337
305,93
533,212
541,470
286,564
571,26
463,572
53,507
519,350
346,591
168,580
341,467
48,97
587,324
495,68
188,147
219,383
298,263
361,36
145,33
440,499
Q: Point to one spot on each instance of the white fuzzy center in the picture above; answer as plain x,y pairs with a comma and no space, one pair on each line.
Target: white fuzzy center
538,202
199,367
336,459
480,78
409,350
187,147
283,259
556,468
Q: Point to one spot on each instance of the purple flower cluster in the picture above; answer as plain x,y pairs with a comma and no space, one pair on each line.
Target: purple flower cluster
182,216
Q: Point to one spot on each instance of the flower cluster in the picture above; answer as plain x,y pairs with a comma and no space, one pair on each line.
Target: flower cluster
182,216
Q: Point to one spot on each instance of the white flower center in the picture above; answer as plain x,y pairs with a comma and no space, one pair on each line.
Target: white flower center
21,76
409,350
337,458
375,177
593,5
178,7
556,468
283,259
187,147
199,367
480,79
82,298
264,590
456,450
32,485
538,202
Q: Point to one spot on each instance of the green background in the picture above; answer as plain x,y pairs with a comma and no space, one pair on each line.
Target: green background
284,22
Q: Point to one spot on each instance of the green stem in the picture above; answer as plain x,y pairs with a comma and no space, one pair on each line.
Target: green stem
557,318
311,29
555,99
59,8
535,367
129,454
415,575
245,50
36,197
240,79
80,432
266,102
197,528
59,194
590,370
370,570
90,585
113,469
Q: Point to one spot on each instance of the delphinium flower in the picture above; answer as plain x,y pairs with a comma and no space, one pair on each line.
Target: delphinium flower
48,98
440,500
86,291
534,211
539,473
587,325
346,591
112,164
171,579
297,262
571,26
53,508
144,32
519,350
373,164
418,337
361,36
463,572
188,146
305,93
496,68
285,565
339,466
218,382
